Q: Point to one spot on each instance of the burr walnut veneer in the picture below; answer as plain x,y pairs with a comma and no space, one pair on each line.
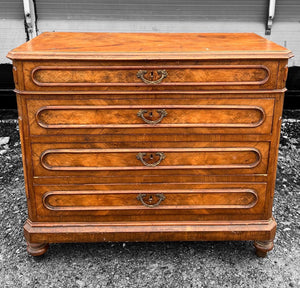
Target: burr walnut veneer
149,137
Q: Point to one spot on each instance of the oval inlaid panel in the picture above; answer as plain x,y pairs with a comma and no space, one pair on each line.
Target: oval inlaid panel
215,116
137,159
213,75
128,200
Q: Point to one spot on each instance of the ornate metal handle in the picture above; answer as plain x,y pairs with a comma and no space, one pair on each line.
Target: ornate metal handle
163,113
163,74
160,197
140,156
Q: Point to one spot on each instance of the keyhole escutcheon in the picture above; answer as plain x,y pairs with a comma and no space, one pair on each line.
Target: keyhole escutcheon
150,198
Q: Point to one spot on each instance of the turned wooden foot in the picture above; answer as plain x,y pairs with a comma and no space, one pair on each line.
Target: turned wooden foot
37,249
263,247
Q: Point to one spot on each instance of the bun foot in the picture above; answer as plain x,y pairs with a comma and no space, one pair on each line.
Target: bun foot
263,247
37,249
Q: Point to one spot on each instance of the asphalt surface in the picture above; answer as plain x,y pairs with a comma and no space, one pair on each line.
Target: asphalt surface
169,264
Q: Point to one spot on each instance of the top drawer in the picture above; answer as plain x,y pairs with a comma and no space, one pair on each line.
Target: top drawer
150,75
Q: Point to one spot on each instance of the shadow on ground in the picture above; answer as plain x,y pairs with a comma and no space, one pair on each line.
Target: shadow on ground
169,264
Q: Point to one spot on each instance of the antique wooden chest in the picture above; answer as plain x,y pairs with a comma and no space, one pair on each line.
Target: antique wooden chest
149,137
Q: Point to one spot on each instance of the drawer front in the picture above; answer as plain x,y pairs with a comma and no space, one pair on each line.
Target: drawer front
208,157
145,75
152,200
232,116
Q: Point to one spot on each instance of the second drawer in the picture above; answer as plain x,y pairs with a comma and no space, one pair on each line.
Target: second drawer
147,116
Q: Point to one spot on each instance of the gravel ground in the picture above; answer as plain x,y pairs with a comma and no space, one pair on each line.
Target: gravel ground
169,264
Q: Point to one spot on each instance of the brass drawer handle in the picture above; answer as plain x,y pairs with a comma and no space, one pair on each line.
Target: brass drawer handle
160,197
163,74
140,156
163,113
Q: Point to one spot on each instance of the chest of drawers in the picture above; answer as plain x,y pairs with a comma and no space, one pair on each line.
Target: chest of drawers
149,137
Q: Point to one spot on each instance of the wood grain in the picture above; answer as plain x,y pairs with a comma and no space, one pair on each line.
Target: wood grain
66,45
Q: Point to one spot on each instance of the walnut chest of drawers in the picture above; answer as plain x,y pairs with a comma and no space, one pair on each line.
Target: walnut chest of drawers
149,137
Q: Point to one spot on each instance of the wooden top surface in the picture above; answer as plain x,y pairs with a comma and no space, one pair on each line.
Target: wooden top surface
136,46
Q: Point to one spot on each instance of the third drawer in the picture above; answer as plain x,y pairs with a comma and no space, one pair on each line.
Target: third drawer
50,159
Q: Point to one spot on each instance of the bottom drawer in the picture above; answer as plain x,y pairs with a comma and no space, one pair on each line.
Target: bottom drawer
155,202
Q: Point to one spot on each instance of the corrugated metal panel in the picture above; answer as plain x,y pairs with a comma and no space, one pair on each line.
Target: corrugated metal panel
149,26
211,10
11,9
287,11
